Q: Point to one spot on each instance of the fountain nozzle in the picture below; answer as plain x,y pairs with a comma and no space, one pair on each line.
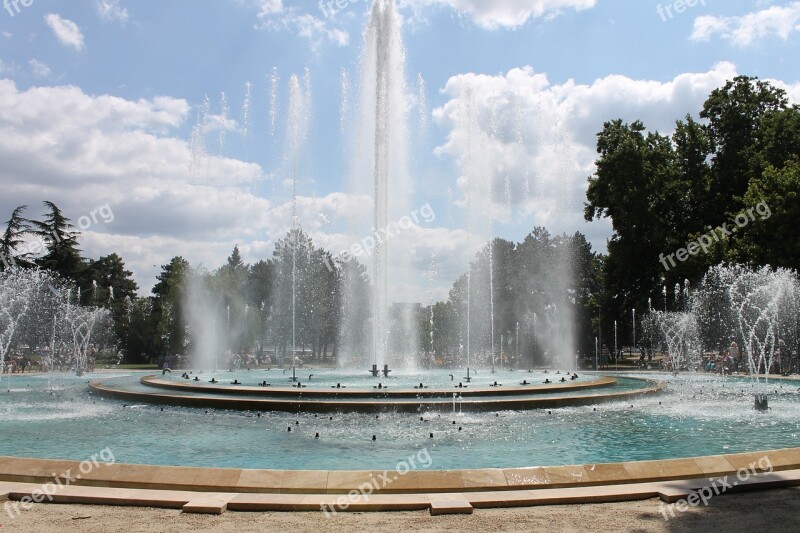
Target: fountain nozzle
761,403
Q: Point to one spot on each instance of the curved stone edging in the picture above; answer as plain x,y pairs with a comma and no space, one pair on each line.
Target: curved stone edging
300,401
227,480
442,393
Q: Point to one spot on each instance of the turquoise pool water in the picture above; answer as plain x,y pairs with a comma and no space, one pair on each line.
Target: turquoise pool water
697,415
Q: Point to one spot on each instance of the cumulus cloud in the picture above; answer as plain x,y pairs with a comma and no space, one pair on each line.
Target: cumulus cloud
67,32
83,152
746,29
494,14
524,146
527,146
110,10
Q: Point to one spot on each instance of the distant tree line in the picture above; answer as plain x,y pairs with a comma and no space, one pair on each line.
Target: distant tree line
661,192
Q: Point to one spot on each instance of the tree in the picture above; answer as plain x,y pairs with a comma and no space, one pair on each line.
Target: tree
771,236
62,253
636,185
734,113
13,239
167,306
231,281
114,281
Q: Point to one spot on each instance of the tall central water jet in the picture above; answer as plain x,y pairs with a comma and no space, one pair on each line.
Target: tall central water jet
382,146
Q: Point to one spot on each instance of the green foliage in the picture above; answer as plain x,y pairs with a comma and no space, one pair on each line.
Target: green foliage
13,239
531,281
773,240
663,193
62,254
167,309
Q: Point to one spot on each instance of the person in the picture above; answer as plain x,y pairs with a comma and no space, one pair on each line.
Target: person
779,356
165,368
734,354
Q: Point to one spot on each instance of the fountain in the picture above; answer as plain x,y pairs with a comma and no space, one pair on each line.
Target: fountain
738,306
680,332
487,420
382,116
296,135
37,309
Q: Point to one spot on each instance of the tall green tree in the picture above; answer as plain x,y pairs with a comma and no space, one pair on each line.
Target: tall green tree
734,113
167,309
13,239
62,254
771,238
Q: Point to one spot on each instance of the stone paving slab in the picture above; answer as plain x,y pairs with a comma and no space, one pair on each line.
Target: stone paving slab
527,498
210,504
42,471
438,503
450,504
260,481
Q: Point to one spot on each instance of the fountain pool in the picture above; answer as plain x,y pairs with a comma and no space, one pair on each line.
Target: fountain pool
696,415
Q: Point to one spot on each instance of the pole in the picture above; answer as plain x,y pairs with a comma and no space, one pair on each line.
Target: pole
600,333
595,354
633,330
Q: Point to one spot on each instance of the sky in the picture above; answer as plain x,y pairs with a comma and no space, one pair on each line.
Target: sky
114,110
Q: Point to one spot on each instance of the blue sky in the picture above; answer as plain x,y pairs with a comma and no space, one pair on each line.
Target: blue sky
99,98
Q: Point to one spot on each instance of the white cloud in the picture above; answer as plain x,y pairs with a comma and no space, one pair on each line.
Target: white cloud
529,145
746,29
274,16
83,151
315,29
532,138
792,90
269,7
39,69
110,10
494,14
67,32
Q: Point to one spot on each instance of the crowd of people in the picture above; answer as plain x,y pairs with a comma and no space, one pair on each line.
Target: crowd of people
784,361
41,360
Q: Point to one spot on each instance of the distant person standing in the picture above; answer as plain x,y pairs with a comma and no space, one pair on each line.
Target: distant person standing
734,354
165,368
604,356
779,356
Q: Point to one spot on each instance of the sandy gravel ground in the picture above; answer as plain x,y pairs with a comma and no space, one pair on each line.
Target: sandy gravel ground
777,510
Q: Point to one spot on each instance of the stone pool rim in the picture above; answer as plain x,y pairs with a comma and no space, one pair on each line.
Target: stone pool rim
327,402
214,490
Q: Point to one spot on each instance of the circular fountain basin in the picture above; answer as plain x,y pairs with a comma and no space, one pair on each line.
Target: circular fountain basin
335,392
693,416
